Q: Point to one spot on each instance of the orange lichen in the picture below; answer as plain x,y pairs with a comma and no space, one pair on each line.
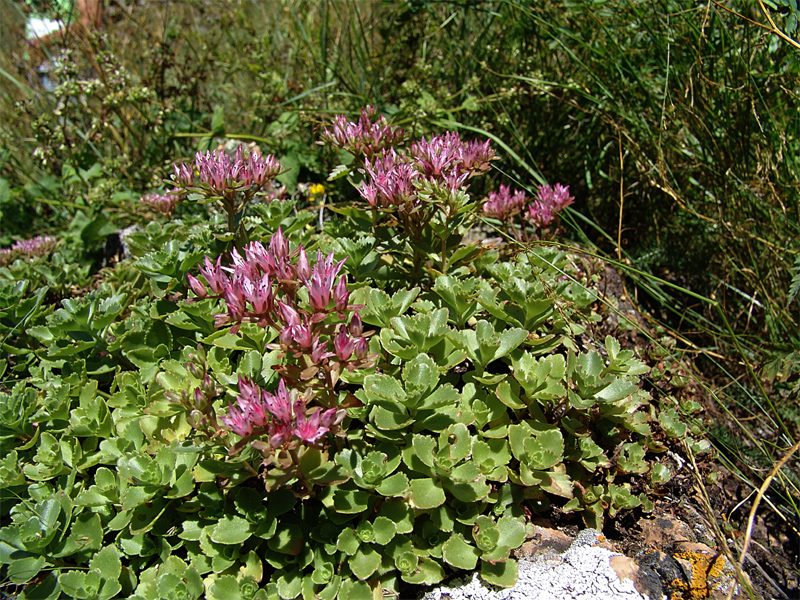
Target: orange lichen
703,567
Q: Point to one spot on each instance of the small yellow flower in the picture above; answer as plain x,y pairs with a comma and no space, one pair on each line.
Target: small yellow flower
316,189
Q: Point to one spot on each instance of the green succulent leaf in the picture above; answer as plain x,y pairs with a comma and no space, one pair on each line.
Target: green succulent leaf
348,541
427,572
384,529
458,553
394,485
364,562
357,590
231,530
486,534
426,493
287,540
501,574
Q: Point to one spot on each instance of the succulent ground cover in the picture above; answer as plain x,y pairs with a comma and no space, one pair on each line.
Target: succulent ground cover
267,399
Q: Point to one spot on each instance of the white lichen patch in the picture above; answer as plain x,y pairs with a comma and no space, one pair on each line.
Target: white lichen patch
582,573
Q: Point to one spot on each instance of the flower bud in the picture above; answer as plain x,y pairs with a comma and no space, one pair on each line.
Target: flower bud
285,338
288,314
197,419
201,402
341,295
361,349
209,389
356,326
194,370
197,287
301,335
332,417
303,267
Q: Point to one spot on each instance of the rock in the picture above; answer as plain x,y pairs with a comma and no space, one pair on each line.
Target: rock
664,532
645,580
709,575
544,542
584,571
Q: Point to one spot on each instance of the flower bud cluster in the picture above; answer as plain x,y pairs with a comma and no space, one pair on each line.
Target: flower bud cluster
362,138
231,181
218,173
393,179
163,204
39,246
550,200
199,402
274,287
504,205
282,417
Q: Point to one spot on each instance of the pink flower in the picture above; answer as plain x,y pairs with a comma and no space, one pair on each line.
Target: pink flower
261,169
344,345
214,276
39,246
259,294
234,298
279,403
476,157
309,429
320,285
438,155
238,421
318,352
539,214
301,335
219,173
448,156
279,434
391,180
288,314
369,193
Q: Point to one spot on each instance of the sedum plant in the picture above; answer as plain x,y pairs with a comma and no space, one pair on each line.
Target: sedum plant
278,421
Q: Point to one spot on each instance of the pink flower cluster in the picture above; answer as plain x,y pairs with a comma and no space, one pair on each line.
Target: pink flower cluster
279,416
263,287
364,137
447,155
163,204
220,173
392,179
505,205
39,246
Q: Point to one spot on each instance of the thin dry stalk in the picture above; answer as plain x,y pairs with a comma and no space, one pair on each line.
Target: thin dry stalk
752,518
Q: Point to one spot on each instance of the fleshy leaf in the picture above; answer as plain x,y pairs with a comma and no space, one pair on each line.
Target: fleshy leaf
459,553
231,530
502,574
426,493
364,562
